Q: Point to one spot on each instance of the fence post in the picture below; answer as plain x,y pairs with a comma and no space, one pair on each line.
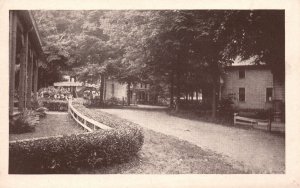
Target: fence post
234,118
68,106
69,103
270,121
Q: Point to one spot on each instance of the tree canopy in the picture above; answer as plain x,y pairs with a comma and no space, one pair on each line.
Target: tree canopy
184,50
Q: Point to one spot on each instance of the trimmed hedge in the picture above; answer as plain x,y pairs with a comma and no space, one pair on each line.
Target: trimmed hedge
55,105
66,154
109,103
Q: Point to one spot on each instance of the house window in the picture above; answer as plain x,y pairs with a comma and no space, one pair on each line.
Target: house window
269,94
113,90
241,73
242,94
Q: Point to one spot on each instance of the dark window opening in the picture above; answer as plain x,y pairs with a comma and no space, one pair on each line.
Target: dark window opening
242,94
269,94
242,73
113,90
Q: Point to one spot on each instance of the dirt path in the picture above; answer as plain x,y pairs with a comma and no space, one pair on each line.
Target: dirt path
258,151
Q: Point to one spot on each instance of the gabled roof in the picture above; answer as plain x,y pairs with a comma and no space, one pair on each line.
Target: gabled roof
249,63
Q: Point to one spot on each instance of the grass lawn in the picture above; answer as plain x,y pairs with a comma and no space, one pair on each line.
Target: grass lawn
163,154
188,114
51,125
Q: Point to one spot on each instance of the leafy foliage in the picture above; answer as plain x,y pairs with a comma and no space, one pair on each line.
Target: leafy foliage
24,123
257,33
182,50
55,105
50,92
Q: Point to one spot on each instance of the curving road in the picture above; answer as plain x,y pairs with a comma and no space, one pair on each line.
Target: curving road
257,151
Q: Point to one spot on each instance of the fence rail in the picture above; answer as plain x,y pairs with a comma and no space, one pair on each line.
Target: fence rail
87,123
251,122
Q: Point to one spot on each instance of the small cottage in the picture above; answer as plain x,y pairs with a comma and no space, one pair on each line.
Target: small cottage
253,87
139,93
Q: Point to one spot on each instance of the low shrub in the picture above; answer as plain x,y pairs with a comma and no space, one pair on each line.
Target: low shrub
113,102
67,154
225,108
36,103
55,105
255,113
26,122
93,102
51,92
109,103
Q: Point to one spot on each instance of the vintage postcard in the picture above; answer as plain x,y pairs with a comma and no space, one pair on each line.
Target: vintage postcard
152,94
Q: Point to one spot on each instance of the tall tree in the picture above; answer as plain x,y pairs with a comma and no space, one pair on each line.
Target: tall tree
259,33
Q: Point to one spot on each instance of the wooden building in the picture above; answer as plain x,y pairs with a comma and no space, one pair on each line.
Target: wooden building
255,87
139,93
25,53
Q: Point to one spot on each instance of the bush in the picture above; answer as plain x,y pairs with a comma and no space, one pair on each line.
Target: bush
50,93
113,102
67,154
197,106
225,107
55,105
26,122
255,113
96,102
35,103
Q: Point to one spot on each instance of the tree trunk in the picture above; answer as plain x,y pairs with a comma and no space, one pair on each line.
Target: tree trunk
213,115
215,99
128,93
102,89
178,92
172,90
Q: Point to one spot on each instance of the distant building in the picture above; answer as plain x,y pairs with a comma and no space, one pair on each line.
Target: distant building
139,93
25,54
75,87
253,87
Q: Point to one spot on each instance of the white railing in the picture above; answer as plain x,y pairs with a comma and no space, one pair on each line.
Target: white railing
251,121
87,123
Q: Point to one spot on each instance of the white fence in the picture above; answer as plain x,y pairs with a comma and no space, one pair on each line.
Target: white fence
258,123
87,123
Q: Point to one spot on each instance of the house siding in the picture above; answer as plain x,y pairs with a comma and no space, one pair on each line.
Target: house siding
255,83
279,90
119,90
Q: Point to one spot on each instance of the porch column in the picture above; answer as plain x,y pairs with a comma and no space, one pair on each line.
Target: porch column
23,70
12,58
29,79
35,79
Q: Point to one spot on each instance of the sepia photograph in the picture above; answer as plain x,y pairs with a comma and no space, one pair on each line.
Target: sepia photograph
149,94
146,91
